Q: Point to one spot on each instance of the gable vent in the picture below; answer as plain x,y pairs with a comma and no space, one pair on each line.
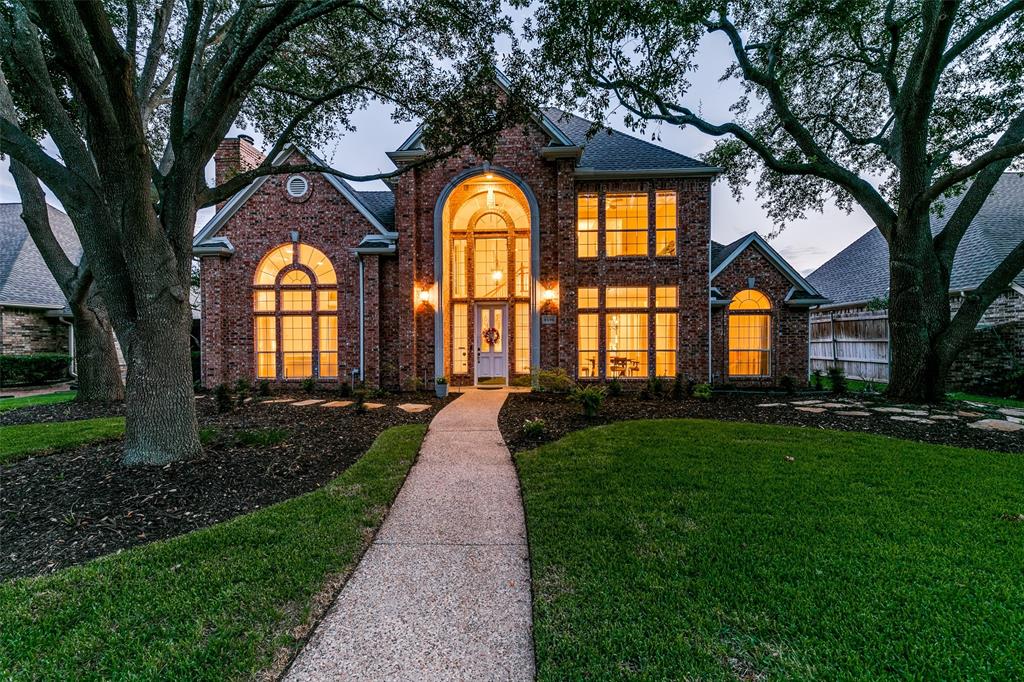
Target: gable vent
297,186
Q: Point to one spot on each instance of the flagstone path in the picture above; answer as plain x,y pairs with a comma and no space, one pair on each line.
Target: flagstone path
443,593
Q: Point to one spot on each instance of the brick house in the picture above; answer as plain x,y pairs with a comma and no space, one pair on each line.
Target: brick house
592,254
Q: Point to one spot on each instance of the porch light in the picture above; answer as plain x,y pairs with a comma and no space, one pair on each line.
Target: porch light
549,295
424,296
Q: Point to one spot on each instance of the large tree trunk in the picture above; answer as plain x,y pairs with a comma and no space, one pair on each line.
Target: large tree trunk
918,314
99,374
160,411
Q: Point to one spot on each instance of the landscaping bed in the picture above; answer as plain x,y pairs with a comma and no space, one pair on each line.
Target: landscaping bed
685,549
561,416
80,503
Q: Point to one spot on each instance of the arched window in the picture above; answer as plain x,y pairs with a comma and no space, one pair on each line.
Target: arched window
750,340
295,310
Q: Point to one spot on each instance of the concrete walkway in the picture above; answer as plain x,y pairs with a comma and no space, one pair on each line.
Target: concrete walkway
443,593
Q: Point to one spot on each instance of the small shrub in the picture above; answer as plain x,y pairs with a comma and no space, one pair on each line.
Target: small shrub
222,398
554,381
309,384
678,388
614,388
345,389
264,388
656,386
260,437
534,428
359,395
441,381
589,399
645,392
37,368
817,380
413,384
209,436
376,393
788,384
702,391
690,385
837,378
242,388
523,380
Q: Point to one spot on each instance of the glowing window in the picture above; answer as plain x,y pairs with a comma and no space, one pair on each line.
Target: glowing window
665,223
287,254
522,266
266,347
297,346
263,301
490,257
625,223
522,364
491,222
587,297
328,346
749,334
295,277
625,297
666,297
626,344
460,339
300,300
316,261
327,300
459,268
586,345
586,226
665,336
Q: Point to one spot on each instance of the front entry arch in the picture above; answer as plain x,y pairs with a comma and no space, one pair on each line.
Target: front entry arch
486,259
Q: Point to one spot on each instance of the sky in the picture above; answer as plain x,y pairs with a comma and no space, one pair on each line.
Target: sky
806,243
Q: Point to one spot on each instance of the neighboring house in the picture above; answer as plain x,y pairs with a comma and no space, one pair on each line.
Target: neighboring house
590,255
857,282
33,318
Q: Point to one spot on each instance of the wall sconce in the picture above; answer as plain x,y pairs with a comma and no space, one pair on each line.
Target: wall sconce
424,296
549,299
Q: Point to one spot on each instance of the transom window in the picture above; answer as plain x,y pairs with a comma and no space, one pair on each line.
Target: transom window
295,304
750,341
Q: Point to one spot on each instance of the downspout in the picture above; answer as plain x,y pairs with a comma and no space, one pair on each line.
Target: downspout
710,362
362,320
73,369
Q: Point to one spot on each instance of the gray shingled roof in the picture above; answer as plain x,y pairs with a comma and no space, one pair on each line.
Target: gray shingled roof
719,252
381,204
24,277
860,272
611,150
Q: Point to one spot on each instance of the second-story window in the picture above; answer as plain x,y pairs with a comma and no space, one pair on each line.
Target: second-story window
625,224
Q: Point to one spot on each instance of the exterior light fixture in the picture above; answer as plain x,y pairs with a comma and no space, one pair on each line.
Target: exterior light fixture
549,295
424,296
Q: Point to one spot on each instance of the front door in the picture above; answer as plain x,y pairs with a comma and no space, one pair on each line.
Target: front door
491,343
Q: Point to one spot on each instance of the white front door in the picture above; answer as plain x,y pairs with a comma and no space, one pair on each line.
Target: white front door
491,345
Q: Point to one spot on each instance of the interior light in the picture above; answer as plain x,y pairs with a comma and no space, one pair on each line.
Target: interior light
489,176
497,275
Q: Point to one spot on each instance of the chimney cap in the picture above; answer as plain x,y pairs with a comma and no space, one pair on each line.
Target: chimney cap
247,138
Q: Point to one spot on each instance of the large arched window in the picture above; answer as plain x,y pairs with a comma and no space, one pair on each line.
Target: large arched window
295,310
750,339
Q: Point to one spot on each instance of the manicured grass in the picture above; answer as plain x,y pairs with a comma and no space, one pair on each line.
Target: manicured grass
211,605
24,440
1001,402
28,401
696,550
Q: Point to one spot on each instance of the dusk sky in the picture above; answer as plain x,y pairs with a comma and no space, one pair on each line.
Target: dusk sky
806,243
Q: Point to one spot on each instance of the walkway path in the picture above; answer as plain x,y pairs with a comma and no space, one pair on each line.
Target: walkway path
443,593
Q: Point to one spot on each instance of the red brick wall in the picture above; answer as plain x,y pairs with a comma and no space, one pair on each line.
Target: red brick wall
789,325
325,220
25,331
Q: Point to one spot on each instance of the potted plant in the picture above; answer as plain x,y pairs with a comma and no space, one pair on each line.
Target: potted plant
441,387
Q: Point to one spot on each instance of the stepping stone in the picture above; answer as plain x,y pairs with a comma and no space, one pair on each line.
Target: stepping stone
373,406
413,407
305,403
946,417
996,425
279,400
916,420
772,405
806,402
1011,411
853,413
833,405
968,413
337,403
1015,420
813,410
901,410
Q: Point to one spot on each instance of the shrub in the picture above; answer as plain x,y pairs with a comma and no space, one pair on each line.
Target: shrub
534,428
441,381
37,368
702,391
209,435
837,378
678,388
521,380
589,399
359,395
413,384
242,388
614,388
788,384
264,388
817,380
260,437
554,381
345,389
222,398
656,386
309,384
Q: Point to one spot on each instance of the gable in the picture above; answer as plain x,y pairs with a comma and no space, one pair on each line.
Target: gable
801,291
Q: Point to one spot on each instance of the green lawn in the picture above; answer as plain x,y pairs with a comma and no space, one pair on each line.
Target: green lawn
1001,402
211,605
695,550
46,399
24,440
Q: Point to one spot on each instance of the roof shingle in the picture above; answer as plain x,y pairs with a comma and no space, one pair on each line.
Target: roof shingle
24,278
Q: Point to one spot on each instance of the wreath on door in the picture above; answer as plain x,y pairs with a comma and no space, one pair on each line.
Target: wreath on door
491,336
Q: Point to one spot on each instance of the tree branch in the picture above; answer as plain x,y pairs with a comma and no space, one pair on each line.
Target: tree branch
1008,146
978,31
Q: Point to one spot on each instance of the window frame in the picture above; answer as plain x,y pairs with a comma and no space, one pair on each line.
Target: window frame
767,313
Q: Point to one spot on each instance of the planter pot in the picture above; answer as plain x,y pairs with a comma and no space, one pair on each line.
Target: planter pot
441,390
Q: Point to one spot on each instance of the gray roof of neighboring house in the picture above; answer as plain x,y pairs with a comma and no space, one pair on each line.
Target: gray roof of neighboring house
611,150
860,272
24,278
719,252
381,203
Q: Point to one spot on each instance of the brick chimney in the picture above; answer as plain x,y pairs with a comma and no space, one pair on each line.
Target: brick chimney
235,155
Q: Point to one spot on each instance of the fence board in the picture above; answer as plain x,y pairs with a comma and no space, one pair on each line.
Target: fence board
856,341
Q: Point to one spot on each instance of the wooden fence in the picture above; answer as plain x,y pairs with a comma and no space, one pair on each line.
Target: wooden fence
858,342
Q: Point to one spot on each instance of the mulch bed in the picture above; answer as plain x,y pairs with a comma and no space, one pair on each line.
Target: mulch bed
65,508
60,412
562,416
